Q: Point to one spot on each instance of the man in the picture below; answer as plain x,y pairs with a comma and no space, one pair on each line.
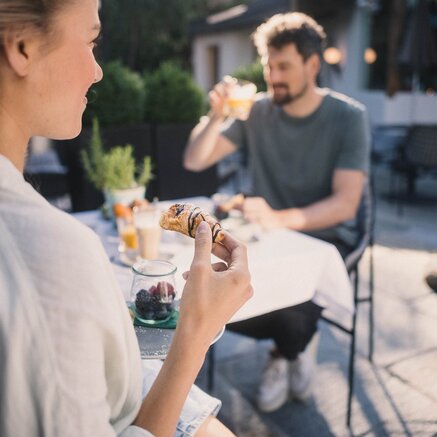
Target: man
308,152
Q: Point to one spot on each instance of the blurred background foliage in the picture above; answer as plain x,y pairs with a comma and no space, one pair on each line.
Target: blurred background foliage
172,96
253,73
145,56
117,100
144,33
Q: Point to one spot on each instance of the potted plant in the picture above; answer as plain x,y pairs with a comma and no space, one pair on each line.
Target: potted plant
115,171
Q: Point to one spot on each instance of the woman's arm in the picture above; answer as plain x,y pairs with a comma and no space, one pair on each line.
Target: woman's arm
211,296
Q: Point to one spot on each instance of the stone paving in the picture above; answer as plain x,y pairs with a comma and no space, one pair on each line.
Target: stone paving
394,396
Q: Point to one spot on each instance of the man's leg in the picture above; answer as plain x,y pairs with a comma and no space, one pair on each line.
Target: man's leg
292,329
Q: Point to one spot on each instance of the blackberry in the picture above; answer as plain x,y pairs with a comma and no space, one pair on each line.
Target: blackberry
149,307
146,304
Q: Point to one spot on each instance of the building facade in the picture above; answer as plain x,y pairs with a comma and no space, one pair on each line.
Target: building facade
373,46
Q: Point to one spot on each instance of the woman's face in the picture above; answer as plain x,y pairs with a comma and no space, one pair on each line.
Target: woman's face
64,73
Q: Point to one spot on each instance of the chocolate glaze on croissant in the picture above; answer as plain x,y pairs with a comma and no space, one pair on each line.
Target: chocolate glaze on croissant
185,218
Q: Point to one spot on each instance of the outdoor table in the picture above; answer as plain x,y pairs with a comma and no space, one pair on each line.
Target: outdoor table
287,268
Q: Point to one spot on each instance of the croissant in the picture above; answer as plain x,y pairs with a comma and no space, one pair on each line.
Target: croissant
185,218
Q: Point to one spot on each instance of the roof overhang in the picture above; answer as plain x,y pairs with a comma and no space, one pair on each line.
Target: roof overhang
249,16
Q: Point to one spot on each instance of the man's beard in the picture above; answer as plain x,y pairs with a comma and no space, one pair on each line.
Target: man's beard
288,97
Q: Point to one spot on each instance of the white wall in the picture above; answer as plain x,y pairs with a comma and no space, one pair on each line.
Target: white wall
235,49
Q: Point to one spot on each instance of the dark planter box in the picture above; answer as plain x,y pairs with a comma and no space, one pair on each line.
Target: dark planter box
165,143
83,194
172,180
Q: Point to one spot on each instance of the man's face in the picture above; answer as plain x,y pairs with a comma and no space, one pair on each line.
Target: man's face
287,75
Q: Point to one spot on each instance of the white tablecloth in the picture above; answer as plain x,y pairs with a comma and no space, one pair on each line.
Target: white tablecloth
287,268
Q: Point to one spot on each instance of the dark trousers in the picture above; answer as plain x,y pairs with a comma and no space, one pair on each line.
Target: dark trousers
291,328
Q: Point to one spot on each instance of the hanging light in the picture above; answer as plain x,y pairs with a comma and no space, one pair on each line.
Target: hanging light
370,56
332,55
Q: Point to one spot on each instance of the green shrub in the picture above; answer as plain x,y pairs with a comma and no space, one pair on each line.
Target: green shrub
171,96
114,169
119,97
253,73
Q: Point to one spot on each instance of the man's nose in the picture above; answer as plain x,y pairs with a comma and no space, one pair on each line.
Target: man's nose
273,76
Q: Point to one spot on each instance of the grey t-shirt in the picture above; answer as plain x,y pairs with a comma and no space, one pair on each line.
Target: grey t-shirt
292,160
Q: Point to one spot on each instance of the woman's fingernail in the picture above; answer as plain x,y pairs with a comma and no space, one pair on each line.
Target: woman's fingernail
202,228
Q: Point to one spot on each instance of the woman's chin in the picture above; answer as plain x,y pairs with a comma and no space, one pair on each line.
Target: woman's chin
68,134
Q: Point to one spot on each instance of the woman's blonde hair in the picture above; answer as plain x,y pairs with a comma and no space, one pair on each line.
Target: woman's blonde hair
36,14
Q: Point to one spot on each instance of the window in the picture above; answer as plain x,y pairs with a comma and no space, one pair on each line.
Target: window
388,39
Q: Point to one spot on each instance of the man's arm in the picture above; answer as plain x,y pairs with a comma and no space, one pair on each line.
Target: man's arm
206,145
341,205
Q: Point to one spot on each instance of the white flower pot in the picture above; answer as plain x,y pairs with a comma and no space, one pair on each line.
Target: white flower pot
125,196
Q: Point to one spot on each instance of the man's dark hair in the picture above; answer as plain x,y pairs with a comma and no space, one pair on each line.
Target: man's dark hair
291,28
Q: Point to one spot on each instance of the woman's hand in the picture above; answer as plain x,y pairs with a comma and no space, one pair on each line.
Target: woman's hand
213,293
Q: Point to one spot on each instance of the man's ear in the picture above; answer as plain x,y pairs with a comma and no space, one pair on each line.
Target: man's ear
314,64
16,48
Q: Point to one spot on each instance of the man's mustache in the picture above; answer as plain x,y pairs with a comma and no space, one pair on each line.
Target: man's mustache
280,85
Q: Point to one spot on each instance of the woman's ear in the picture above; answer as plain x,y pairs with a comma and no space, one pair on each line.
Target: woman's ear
17,47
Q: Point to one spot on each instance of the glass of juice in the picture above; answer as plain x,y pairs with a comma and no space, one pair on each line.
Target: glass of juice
241,95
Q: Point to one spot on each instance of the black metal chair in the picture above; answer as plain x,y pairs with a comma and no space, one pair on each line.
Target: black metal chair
415,157
366,220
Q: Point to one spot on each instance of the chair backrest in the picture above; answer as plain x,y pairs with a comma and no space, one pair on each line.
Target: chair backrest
365,222
421,146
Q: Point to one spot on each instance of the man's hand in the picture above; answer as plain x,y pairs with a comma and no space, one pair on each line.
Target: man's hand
217,100
257,210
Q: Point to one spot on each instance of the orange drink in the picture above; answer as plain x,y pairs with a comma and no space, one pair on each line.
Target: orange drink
129,236
241,95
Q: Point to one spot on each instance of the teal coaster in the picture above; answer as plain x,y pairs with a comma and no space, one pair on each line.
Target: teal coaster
168,323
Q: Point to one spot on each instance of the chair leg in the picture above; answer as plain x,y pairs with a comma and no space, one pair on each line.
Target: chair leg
352,353
211,366
399,203
371,314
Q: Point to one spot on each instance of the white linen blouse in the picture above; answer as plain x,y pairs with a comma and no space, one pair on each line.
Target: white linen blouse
69,359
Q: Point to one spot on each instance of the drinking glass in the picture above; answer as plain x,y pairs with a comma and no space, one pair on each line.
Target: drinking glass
241,95
128,236
148,231
153,291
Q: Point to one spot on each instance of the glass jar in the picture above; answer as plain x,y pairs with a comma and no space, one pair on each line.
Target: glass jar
153,291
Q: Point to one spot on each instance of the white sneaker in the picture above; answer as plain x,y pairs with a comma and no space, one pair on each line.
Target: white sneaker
302,370
274,387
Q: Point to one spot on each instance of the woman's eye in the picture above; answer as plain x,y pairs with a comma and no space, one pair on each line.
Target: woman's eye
95,42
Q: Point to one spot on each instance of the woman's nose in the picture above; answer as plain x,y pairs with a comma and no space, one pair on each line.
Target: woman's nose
99,73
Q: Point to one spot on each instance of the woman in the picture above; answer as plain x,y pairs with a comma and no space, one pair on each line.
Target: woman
69,359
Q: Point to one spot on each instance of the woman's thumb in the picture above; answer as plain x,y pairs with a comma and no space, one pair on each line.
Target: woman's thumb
203,242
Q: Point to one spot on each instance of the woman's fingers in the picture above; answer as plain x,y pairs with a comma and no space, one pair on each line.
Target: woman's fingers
217,267
220,251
